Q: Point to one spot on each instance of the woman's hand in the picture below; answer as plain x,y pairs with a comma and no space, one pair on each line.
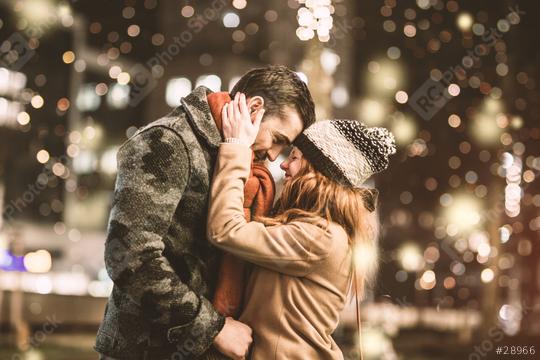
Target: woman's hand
237,123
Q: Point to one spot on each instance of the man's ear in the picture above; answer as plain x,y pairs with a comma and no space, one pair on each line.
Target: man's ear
255,103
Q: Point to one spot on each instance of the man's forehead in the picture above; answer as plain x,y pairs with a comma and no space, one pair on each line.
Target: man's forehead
291,129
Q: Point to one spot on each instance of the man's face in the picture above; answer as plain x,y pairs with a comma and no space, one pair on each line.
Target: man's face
276,133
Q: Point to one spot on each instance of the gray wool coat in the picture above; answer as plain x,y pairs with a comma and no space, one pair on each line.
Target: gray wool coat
163,268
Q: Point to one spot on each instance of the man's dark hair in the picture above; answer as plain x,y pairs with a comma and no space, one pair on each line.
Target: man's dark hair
280,87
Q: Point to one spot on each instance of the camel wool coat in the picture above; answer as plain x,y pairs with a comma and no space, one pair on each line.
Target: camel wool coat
301,273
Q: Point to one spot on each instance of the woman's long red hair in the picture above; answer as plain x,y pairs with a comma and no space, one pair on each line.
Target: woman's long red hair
310,196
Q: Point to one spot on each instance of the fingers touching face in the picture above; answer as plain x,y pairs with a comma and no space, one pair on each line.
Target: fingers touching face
276,132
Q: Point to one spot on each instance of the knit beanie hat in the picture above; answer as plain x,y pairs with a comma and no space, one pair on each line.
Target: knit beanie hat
346,151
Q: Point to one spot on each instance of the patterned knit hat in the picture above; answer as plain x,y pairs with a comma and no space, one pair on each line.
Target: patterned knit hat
346,151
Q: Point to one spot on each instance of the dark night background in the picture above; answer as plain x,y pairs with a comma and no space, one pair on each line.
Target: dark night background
459,205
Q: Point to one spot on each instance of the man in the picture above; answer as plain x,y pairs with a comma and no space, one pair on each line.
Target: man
163,268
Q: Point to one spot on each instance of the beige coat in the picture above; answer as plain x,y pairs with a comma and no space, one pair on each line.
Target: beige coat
298,285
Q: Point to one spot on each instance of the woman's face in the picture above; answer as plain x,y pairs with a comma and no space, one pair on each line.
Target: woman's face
293,164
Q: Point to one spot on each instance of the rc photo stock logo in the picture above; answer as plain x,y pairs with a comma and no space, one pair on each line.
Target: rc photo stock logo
435,93
144,76
142,83
18,48
15,52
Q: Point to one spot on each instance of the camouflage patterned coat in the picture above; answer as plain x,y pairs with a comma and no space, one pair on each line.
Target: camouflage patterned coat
163,268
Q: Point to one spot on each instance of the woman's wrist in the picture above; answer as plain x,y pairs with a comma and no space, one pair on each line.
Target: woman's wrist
233,140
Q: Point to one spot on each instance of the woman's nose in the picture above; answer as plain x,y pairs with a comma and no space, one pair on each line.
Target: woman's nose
284,165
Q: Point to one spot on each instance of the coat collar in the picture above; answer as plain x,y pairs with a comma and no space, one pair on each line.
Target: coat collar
198,110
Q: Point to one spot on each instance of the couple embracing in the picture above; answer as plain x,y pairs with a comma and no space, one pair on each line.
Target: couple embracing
205,265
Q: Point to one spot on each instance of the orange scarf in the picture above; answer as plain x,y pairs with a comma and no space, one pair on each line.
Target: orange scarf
259,193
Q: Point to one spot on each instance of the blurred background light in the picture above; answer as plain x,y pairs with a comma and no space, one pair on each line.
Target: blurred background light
177,88
211,81
38,262
410,257
231,20
464,21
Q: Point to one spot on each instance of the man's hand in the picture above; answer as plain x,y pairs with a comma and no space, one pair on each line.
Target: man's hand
234,339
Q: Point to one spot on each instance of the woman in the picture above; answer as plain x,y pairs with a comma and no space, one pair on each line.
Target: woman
303,254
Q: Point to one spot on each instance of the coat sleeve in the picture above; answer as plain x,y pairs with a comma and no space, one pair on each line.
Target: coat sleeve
293,249
153,171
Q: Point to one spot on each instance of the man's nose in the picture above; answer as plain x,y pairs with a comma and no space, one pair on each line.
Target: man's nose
272,154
